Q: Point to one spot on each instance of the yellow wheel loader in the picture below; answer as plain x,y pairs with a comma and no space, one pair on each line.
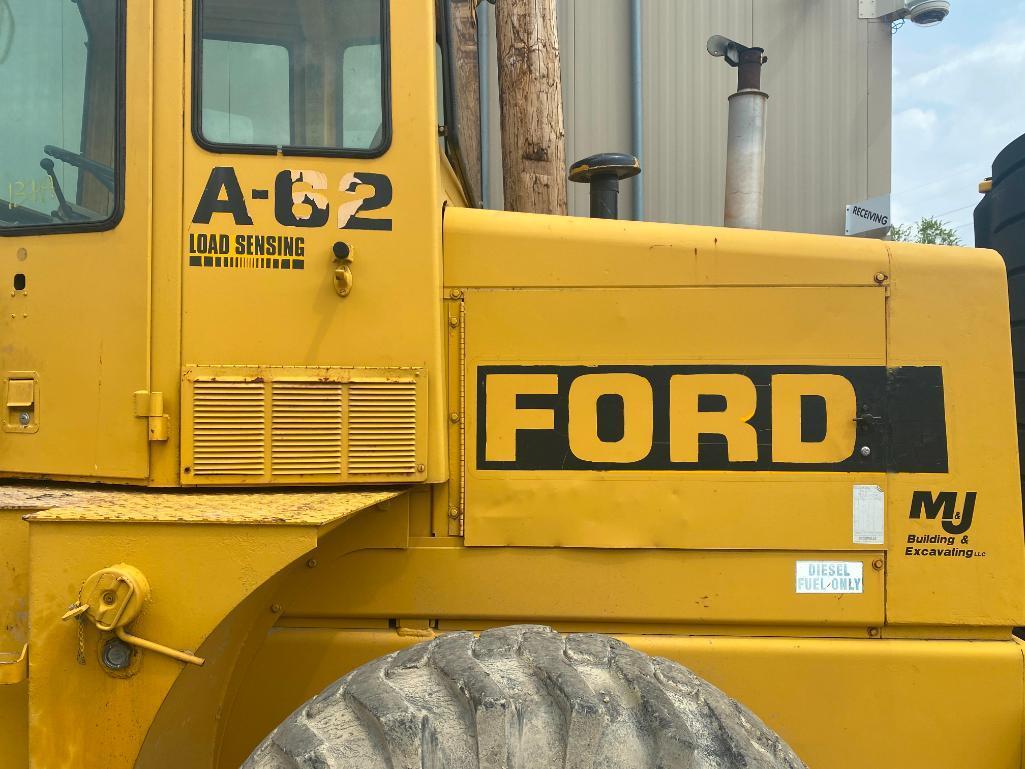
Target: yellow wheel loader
285,409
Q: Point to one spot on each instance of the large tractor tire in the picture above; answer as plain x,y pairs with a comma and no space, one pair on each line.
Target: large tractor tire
522,698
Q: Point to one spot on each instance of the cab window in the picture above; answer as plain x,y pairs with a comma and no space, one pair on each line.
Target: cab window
296,76
459,88
235,109
60,85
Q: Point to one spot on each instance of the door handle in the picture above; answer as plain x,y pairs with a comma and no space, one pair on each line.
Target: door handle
343,269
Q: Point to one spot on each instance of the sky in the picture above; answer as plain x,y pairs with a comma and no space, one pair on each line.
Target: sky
958,99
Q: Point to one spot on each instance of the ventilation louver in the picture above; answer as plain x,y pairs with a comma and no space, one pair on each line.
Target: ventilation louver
296,426
306,428
228,428
382,427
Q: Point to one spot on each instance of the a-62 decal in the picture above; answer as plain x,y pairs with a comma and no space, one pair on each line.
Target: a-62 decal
301,199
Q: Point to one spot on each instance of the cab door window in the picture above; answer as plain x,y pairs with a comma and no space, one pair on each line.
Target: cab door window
303,77
61,86
247,91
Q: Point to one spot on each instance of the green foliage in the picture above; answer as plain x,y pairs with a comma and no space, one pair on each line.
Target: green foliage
928,230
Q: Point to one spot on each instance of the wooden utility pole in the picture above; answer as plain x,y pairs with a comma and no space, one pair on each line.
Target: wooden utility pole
530,84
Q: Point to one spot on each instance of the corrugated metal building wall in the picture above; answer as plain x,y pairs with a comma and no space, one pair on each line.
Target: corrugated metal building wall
828,78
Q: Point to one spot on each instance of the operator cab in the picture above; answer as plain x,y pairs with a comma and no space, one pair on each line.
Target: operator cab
223,213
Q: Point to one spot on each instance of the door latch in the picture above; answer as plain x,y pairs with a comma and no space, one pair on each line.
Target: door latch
343,268
112,599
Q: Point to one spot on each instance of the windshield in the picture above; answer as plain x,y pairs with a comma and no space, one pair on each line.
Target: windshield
58,133
294,74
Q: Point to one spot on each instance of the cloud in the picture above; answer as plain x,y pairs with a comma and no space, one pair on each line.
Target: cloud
955,107
990,57
915,120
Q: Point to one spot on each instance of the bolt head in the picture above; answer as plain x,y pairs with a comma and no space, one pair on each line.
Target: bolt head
454,417
873,632
421,468
881,277
877,564
116,655
455,293
24,418
453,513
109,597
865,451
276,608
312,563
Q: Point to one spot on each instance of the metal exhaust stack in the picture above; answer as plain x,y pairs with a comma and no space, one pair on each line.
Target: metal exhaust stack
745,148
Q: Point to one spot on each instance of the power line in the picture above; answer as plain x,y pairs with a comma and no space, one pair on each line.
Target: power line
955,210
962,172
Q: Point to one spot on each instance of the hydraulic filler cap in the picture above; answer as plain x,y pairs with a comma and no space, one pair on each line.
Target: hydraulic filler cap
604,172
112,599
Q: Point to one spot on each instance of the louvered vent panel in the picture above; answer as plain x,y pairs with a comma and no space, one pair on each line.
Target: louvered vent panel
228,426
306,428
382,428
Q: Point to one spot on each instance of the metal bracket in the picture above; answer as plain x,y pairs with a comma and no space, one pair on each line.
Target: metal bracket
14,669
880,9
150,406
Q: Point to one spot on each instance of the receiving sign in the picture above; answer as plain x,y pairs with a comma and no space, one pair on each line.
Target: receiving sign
869,218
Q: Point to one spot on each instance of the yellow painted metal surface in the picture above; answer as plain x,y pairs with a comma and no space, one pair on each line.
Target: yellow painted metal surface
199,576
273,508
826,303
974,348
14,631
496,249
848,704
648,327
190,728
515,585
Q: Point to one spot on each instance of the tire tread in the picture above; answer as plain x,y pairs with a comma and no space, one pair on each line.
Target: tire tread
522,697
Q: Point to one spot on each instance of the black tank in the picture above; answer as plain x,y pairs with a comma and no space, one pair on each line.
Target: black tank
1000,225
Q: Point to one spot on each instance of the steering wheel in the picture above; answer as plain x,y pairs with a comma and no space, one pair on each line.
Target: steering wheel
104,174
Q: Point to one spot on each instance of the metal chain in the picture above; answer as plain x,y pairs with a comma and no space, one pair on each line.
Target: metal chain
80,619
81,641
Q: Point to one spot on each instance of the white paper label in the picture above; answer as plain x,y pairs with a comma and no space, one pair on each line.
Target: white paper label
869,508
830,577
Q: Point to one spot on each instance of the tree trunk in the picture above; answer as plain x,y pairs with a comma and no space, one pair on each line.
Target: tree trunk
530,84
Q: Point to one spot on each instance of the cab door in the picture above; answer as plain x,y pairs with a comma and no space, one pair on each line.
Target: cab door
75,79
311,252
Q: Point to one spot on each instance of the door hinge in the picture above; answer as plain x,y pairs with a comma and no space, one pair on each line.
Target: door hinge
150,406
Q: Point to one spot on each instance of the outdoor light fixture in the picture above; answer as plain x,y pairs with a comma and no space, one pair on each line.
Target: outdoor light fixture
924,13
